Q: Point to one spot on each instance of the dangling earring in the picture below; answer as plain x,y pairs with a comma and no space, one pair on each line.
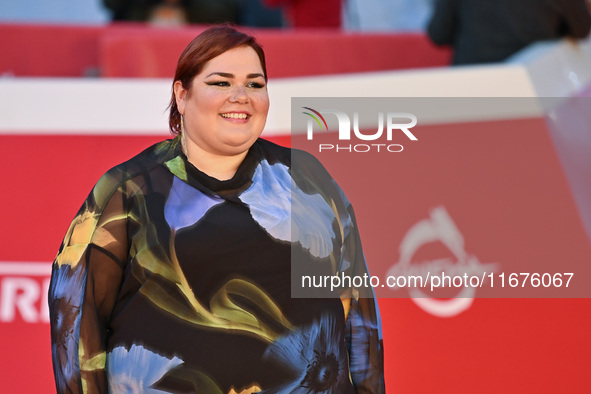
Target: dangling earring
183,136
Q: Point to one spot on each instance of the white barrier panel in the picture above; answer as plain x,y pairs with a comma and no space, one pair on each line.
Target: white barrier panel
139,106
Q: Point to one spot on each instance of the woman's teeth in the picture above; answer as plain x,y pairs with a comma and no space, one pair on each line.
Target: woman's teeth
234,116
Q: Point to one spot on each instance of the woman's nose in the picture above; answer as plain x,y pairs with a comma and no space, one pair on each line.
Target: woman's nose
239,95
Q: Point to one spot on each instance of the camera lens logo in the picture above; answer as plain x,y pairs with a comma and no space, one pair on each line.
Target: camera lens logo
390,122
316,119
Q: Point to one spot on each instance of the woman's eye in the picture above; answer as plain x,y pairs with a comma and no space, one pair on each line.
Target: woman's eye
255,85
219,83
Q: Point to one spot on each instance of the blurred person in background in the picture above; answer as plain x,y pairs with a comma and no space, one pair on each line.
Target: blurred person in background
180,12
491,31
174,12
387,15
256,13
176,273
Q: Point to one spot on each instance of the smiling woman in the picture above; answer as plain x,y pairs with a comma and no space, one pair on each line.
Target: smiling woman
224,111
176,274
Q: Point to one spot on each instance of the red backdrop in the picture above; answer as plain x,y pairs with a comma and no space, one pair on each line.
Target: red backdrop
497,345
517,187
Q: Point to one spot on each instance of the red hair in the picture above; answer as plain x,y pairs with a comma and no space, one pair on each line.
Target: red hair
206,46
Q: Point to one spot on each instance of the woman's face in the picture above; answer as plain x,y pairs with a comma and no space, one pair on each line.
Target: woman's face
226,108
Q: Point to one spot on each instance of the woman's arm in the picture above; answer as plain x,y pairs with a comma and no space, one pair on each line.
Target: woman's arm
85,279
364,341
363,331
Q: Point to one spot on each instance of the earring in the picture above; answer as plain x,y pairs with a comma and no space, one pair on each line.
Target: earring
183,136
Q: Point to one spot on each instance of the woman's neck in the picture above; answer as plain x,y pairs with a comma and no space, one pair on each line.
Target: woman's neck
219,167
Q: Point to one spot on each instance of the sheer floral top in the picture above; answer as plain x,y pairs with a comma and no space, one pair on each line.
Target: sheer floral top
169,280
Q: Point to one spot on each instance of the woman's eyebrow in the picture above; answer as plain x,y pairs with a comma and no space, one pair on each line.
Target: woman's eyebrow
255,75
221,74
229,75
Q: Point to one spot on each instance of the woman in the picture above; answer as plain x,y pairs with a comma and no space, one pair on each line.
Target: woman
175,275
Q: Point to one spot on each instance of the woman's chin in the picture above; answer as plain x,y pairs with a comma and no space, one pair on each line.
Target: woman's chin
239,143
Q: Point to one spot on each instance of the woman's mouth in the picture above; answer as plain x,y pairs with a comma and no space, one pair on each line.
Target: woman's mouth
235,115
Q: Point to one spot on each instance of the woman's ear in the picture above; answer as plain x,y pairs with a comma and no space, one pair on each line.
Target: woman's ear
180,95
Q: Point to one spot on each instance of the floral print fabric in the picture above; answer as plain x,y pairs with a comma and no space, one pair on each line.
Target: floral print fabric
169,280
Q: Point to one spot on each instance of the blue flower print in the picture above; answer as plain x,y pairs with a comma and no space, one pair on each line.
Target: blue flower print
137,369
362,333
186,205
66,294
315,356
287,213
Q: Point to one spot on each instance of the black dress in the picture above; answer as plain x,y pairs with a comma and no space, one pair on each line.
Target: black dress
169,280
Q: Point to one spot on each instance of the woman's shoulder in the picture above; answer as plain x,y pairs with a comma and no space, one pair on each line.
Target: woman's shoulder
273,152
306,170
292,157
142,163
151,157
